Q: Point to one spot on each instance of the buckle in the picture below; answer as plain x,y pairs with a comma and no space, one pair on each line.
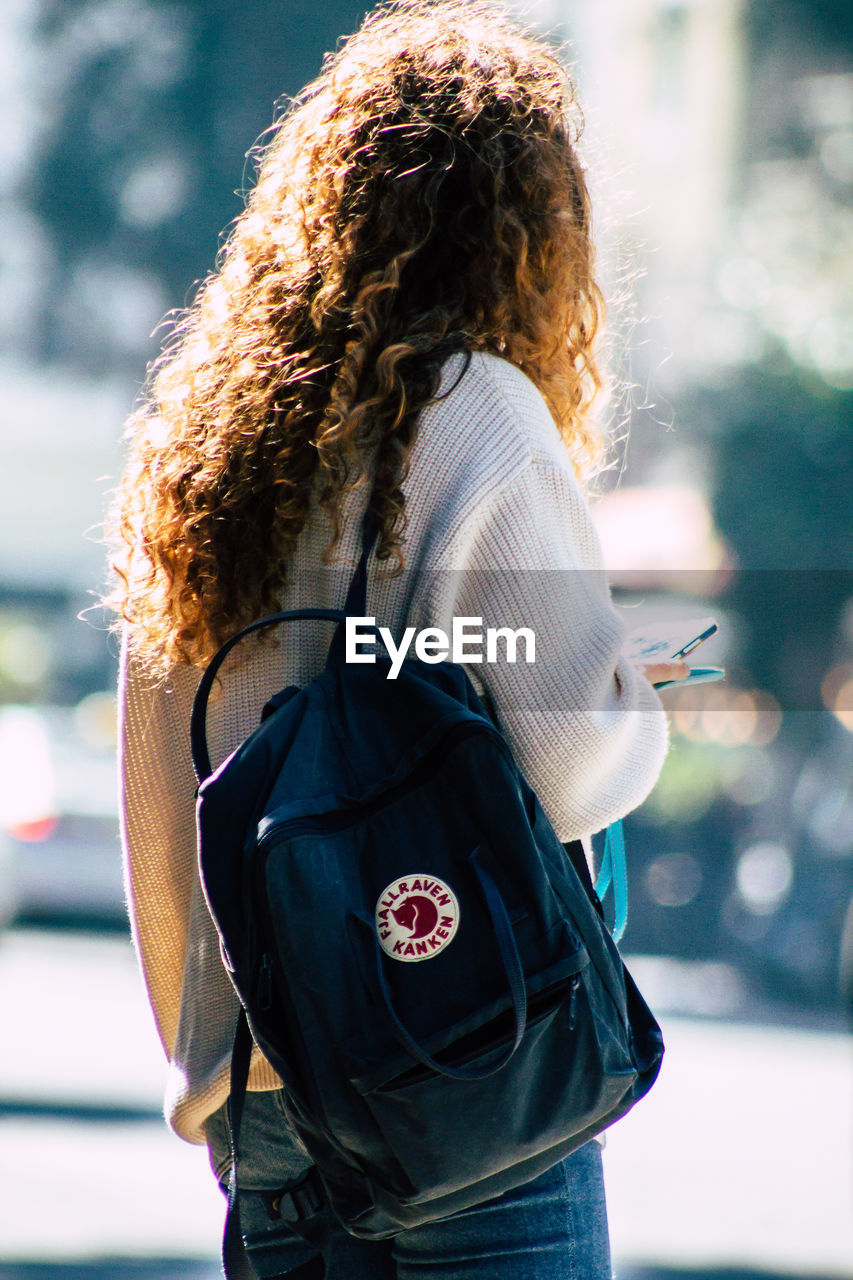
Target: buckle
295,1204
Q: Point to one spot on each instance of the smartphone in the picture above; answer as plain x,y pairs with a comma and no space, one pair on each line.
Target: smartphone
698,675
669,641
672,642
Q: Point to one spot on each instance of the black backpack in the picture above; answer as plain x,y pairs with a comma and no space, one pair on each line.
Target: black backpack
419,957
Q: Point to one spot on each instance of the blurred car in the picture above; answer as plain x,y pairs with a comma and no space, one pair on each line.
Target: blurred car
59,839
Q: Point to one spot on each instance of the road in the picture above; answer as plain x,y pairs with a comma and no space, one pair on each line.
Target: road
739,1164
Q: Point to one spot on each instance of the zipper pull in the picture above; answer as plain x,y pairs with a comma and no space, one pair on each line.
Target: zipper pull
265,983
573,987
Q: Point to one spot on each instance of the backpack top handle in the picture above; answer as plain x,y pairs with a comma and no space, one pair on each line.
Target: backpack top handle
355,603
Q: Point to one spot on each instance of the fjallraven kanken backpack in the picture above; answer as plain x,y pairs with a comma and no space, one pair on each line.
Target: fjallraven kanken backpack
416,953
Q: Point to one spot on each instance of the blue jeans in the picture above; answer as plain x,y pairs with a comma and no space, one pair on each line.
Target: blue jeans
553,1228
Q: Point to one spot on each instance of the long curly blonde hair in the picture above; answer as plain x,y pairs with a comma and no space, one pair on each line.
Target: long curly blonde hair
422,196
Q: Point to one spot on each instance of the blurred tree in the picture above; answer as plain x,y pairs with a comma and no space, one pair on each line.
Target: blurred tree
783,458
150,107
830,21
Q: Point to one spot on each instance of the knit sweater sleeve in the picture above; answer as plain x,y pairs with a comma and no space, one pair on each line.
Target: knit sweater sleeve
587,730
193,1002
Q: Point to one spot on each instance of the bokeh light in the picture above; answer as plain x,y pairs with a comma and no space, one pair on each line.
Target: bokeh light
726,715
674,879
28,795
764,876
25,653
748,775
95,721
837,692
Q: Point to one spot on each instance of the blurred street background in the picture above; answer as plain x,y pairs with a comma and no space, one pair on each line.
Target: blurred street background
719,137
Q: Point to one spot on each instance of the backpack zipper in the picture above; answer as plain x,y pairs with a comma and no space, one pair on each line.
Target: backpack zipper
339,820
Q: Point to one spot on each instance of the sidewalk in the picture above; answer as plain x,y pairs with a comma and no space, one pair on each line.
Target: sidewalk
738,1164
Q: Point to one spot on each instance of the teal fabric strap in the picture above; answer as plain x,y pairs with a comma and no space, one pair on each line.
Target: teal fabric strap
614,869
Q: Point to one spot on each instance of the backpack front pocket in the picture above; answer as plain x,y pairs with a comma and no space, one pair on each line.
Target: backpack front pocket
447,1133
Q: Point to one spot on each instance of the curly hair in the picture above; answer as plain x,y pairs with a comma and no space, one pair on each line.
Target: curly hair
423,196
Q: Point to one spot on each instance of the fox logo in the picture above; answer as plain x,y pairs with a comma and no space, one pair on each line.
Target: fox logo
416,917
418,914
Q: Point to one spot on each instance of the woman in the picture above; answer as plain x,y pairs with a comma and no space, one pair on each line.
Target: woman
406,308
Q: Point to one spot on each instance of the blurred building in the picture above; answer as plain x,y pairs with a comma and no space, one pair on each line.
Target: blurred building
661,87
724,131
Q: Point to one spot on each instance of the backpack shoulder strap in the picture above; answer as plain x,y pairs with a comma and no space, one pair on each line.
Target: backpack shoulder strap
304,1206
355,604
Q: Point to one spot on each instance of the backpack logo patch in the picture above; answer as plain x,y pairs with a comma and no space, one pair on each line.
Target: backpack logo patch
416,917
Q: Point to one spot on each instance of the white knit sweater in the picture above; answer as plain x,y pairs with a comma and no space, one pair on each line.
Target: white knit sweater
497,529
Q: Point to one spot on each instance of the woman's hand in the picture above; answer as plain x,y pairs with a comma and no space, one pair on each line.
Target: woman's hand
658,672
